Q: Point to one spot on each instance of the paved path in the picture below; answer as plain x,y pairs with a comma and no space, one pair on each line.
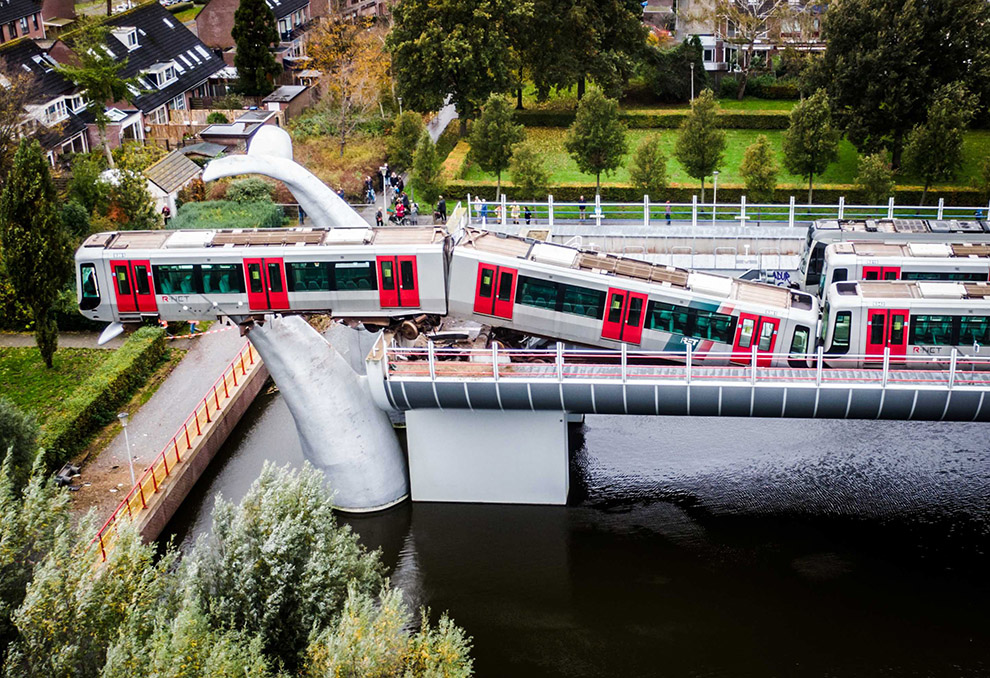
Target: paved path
65,340
156,422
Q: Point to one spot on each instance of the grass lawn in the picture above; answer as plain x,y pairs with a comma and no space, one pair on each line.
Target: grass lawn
564,170
187,15
32,387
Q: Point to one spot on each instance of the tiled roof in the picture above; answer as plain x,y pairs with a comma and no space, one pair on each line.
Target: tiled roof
283,8
24,56
12,10
172,172
162,39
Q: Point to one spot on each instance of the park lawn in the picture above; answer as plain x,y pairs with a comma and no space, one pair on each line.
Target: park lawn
188,15
564,170
26,382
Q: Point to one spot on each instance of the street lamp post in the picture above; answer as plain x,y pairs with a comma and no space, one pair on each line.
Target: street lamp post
692,81
400,105
127,443
383,169
714,195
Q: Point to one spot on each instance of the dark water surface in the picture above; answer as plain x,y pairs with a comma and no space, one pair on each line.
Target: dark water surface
698,547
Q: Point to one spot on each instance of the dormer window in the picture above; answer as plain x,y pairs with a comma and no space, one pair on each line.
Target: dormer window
162,75
127,35
56,111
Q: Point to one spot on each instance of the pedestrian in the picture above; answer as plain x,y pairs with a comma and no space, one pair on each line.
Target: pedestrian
667,213
582,204
400,185
192,326
166,214
379,222
405,201
400,212
515,212
528,214
340,194
498,213
302,215
442,210
484,212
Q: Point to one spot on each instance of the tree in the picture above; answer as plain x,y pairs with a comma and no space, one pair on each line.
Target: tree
401,143
934,148
254,34
596,139
759,170
18,442
36,251
17,88
648,169
493,136
428,171
349,56
136,156
985,178
886,59
668,71
529,174
98,73
811,144
129,205
251,189
85,186
875,178
461,49
701,143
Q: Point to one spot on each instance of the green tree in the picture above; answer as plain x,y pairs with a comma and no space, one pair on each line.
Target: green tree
759,170
597,139
216,118
428,171
401,144
85,186
886,59
75,219
98,73
529,173
648,169
934,148
875,178
701,143
251,189
254,34
811,143
130,205
984,179
460,49
668,71
18,442
492,137
36,251
136,156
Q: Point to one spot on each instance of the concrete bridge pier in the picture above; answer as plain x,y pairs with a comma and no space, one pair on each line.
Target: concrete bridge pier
490,456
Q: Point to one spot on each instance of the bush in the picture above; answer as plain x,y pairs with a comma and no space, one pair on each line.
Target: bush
229,102
251,189
179,7
75,218
194,191
221,214
94,404
216,118
668,71
728,87
662,119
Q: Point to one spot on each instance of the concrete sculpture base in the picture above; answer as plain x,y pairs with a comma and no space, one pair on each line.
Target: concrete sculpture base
342,431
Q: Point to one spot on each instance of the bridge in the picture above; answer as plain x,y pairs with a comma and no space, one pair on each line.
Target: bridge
491,424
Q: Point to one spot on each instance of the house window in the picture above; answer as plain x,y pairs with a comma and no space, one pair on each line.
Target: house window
178,103
76,145
159,116
24,25
34,20
12,30
76,103
131,132
162,75
709,55
55,111
127,35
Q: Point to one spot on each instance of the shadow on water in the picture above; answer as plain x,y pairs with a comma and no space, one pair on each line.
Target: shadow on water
699,547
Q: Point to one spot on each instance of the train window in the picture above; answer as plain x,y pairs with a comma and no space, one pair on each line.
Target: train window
123,282
690,322
840,335
615,310
800,300
406,275
799,344
931,330
840,275
537,293
355,275
746,332
175,278
222,279
388,276
311,276
877,329
90,287
896,329
254,278
505,286
583,301
141,279
487,281
766,336
635,311
974,330
944,275
275,276
872,275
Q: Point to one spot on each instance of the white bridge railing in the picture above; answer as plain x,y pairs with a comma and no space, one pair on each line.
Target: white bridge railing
686,367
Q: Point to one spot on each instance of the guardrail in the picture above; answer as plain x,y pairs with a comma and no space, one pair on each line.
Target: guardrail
432,363
164,465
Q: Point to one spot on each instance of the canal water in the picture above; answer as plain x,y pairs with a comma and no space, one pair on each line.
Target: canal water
697,547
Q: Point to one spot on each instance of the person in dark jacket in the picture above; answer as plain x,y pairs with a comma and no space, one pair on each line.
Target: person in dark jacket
442,210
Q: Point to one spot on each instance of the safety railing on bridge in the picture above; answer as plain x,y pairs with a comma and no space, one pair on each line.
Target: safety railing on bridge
164,466
689,366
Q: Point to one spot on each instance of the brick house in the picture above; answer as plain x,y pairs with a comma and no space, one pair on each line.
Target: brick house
21,19
215,24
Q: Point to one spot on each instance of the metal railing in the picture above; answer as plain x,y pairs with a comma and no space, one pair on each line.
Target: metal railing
688,366
164,465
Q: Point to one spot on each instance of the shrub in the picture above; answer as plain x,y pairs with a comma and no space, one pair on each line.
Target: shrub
217,190
728,87
179,7
216,118
251,189
662,119
94,404
136,156
229,102
401,143
194,191
75,218
221,214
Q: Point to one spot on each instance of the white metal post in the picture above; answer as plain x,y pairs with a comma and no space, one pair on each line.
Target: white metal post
646,210
886,365
432,359
495,360
694,211
598,210
941,207
752,377
469,207
952,368
842,206
560,361
790,214
890,207
821,363
550,211
687,365
502,216
742,211
625,357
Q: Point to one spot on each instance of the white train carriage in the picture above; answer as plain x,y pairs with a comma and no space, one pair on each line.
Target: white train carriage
823,232
603,300
915,319
195,275
956,262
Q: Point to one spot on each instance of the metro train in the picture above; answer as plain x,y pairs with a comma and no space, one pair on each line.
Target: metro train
825,231
959,262
910,318
384,275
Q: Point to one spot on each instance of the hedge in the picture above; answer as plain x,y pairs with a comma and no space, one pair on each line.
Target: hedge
94,404
663,119
228,214
682,193
180,7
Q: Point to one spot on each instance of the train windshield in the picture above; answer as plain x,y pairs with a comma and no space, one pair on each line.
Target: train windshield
90,287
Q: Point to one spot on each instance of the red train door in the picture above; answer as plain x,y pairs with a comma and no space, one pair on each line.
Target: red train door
625,313
881,273
398,282
886,328
495,292
266,284
133,286
759,331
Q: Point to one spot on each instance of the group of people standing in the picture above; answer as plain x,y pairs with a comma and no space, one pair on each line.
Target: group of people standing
495,211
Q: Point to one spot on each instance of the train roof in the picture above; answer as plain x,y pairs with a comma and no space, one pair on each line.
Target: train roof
912,250
634,269
269,237
902,226
875,289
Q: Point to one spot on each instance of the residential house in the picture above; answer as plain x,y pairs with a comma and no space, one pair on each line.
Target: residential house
168,176
215,24
362,8
21,19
